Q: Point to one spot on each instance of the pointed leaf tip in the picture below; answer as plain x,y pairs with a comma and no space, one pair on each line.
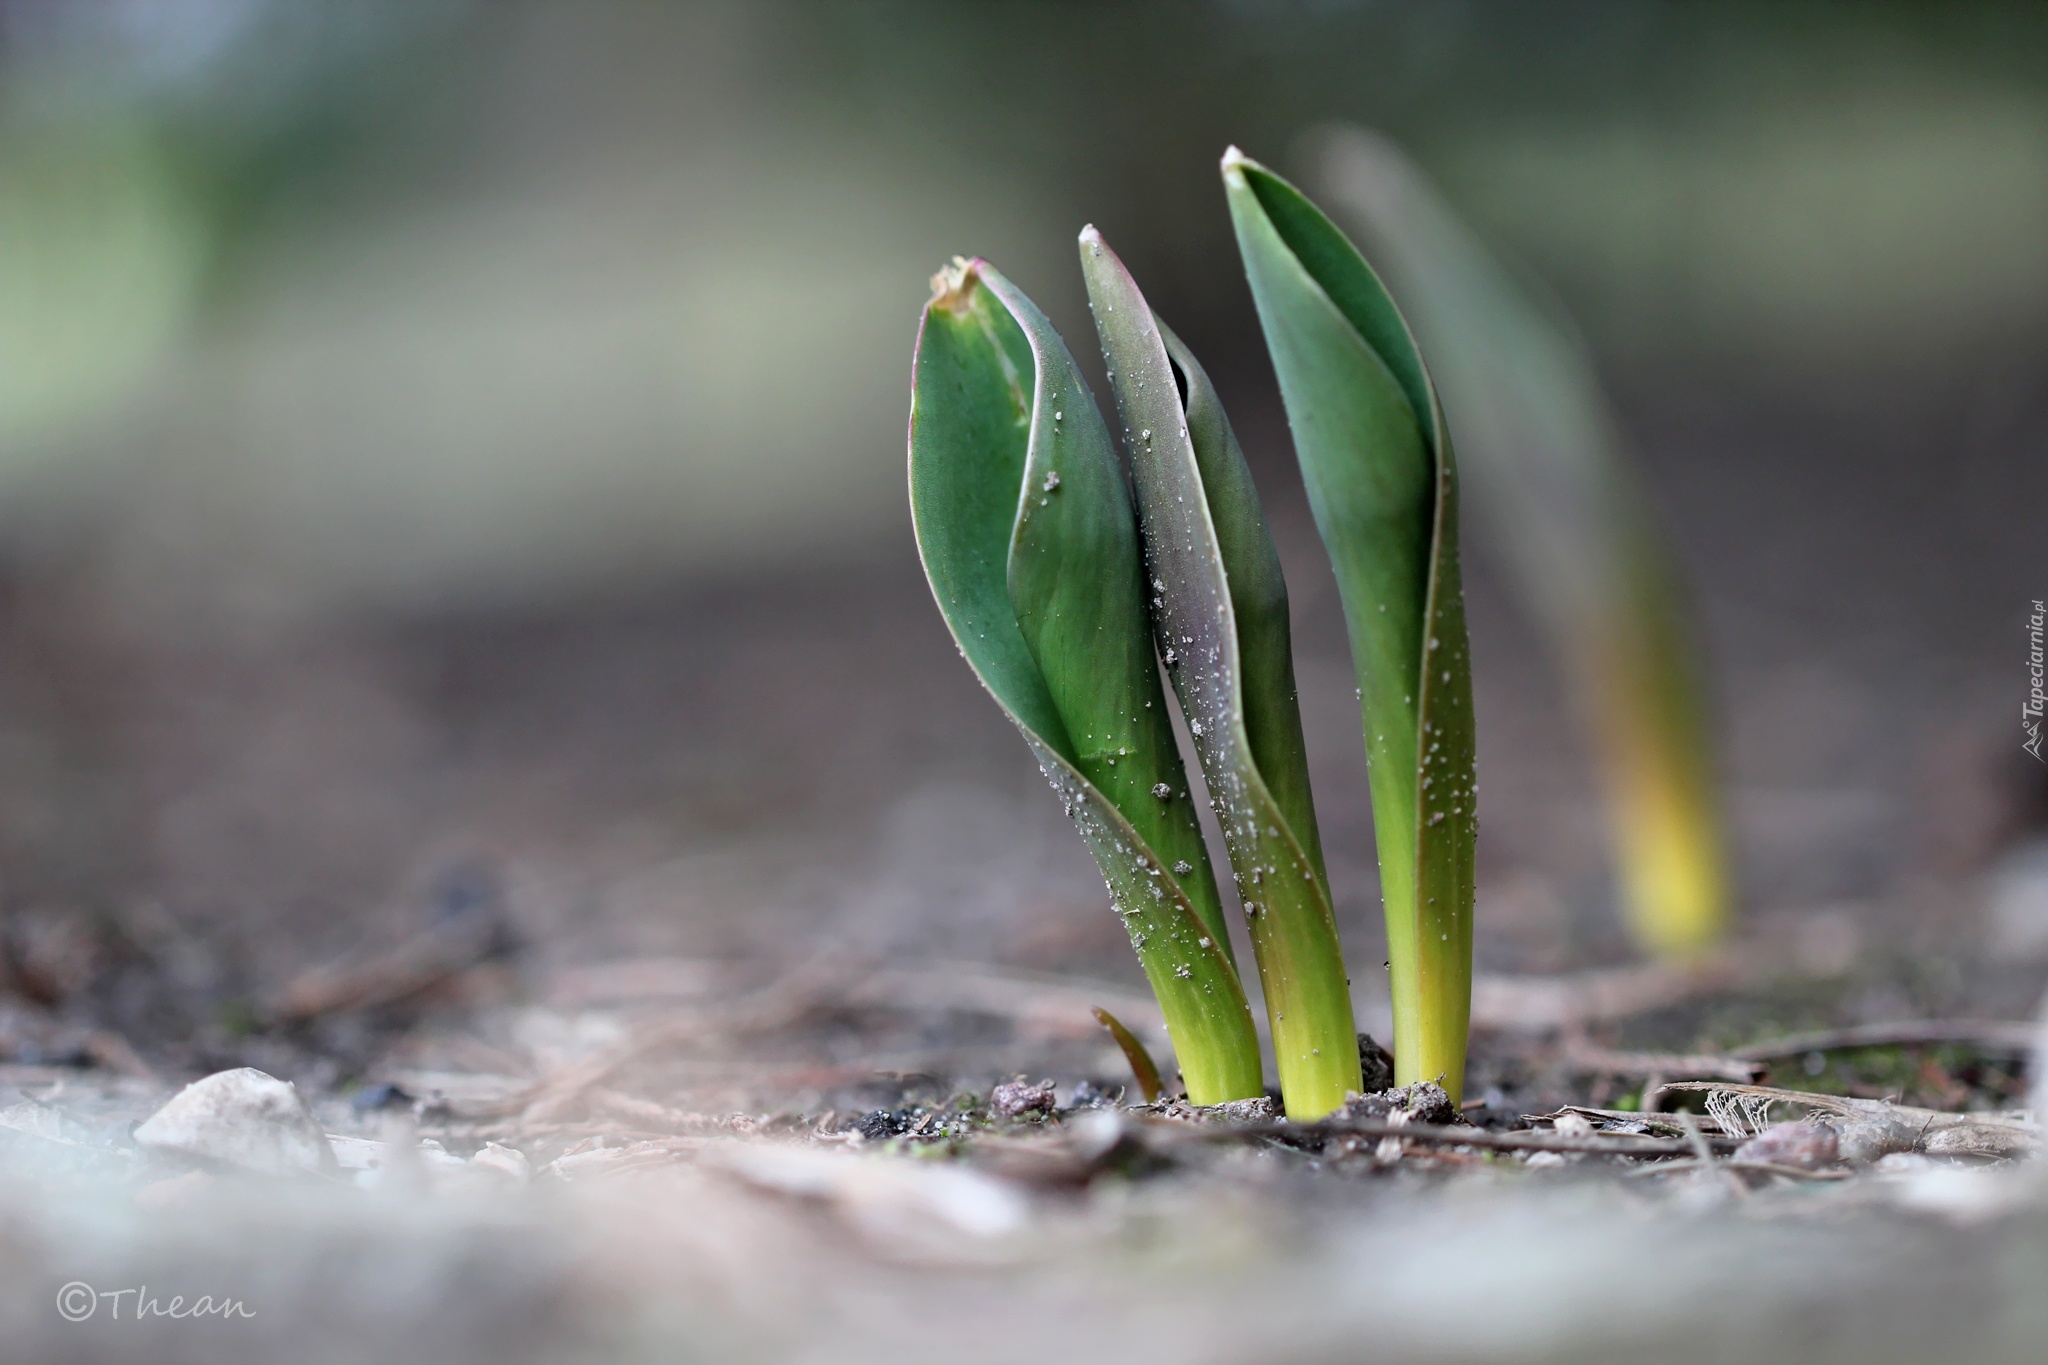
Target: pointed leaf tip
953,283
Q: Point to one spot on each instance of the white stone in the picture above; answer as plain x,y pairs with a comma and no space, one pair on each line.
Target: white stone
243,1119
508,1161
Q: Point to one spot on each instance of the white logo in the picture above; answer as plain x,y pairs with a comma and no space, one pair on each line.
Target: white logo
79,1301
2031,708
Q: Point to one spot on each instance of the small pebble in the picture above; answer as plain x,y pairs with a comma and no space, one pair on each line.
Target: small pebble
372,1099
507,1161
1572,1125
1802,1146
1015,1099
878,1124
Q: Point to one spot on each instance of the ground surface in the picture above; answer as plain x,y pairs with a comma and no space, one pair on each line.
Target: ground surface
727,906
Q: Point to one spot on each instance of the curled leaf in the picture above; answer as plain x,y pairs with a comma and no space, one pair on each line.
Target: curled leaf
1028,539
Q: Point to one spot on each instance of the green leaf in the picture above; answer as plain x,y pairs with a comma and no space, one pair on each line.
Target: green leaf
1383,486
1027,535
1220,610
1547,465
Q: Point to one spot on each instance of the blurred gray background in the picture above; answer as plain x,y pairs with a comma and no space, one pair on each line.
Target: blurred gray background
441,433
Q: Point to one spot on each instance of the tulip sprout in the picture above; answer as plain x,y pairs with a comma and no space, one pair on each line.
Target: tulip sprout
1066,594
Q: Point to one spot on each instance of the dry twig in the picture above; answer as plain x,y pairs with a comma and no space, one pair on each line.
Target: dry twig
1748,1167
1994,1035
1605,1144
1584,1056
1869,1129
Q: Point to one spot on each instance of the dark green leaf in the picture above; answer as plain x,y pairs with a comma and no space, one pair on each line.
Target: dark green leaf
1220,607
1030,543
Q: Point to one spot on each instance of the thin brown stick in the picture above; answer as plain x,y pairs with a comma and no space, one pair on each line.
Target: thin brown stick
2004,1035
1759,1167
1649,1118
1612,1144
1541,1004
1585,1057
